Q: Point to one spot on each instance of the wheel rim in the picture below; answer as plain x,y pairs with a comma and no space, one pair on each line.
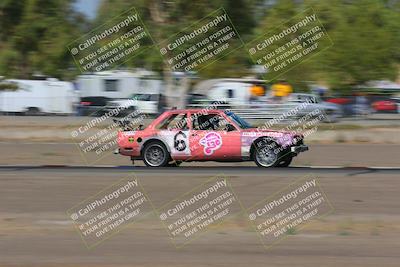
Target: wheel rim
154,155
266,156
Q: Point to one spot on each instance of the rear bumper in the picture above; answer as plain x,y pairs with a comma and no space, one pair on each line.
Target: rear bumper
298,149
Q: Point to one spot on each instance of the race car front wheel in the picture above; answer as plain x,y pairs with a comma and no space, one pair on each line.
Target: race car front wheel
265,156
155,154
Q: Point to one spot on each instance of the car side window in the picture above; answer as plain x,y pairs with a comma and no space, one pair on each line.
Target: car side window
153,97
176,121
210,122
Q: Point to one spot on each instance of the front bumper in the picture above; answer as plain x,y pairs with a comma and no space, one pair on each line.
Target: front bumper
297,149
128,151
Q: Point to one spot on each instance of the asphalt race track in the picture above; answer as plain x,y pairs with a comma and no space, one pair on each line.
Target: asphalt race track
199,170
362,230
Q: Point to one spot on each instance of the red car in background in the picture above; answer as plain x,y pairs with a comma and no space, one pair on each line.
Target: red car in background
389,105
339,100
208,135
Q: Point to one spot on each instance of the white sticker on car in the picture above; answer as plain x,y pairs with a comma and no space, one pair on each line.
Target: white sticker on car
212,141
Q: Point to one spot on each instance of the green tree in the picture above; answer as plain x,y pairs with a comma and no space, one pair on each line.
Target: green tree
37,41
10,15
167,18
277,18
366,37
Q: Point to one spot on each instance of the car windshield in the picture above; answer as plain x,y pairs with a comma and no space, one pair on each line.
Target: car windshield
142,97
239,121
305,98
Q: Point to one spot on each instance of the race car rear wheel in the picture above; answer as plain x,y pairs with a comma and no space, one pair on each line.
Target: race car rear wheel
265,155
155,154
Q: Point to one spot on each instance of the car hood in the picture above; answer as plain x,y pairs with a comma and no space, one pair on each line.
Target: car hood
278,133
283,138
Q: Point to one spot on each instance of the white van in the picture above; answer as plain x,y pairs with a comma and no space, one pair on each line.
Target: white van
143,103
39,96
235,92
119,84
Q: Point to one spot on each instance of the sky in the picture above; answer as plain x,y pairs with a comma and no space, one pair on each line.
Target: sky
87,7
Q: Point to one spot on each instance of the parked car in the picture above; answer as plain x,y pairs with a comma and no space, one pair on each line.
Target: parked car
142,103
391,105
339,100
332,111
92,105
214,135
234,92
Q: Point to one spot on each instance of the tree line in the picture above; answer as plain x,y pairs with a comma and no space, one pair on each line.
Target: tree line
34,35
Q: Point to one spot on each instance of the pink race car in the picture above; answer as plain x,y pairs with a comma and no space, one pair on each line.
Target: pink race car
208,135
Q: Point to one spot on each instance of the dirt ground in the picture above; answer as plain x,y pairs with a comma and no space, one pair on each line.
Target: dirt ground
362,231
59,130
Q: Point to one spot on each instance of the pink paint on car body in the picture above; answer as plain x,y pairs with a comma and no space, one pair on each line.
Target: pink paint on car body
207,135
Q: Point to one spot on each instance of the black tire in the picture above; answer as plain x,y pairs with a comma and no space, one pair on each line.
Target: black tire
32,111
285,162
155,154
265,155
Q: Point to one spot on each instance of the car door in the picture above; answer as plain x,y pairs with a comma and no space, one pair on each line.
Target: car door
210,139
174,131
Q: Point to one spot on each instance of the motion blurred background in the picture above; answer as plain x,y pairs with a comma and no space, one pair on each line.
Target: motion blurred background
355,81
354,153
363,61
